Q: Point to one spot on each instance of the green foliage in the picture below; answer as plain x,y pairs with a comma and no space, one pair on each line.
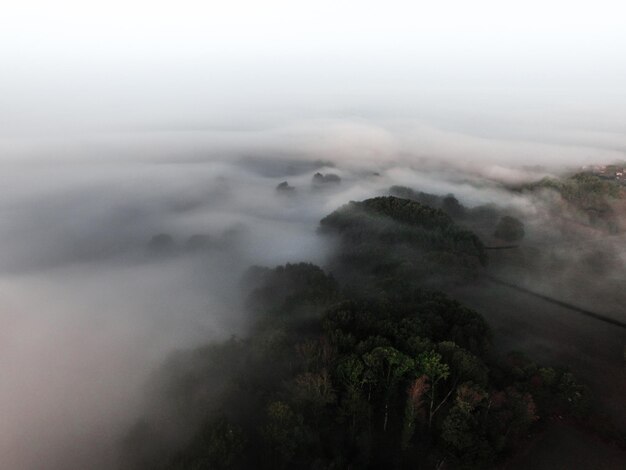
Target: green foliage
289,294
290,286
555,391
217,446
374,373
430,364
587,193
572,396
582,186
464,366
284,434
313,390
457,429
581,189
386,209
425,240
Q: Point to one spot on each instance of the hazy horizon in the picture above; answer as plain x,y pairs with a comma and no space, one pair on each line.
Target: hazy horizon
545,71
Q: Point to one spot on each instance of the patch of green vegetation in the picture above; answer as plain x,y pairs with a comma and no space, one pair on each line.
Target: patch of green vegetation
401,237
590,195
582,189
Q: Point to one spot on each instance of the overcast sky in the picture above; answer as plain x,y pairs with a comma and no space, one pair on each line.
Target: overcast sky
486,67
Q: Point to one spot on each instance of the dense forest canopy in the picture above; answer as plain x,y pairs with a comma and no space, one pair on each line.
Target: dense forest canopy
368,369
400,237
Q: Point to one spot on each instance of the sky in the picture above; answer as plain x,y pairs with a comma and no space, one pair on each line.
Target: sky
75,67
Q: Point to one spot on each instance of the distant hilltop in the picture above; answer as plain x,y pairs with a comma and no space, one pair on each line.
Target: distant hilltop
616,172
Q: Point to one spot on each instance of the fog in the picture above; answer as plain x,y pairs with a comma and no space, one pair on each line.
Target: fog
126,121
91,307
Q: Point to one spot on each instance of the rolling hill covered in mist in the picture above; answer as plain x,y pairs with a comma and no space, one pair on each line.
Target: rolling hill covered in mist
235,310
370,361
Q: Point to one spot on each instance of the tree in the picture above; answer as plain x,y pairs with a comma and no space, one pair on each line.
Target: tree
313,389
509,229
354,407
284,187
319,180
414,404
387,366
453,207
456,429
430,364
464,366
284,433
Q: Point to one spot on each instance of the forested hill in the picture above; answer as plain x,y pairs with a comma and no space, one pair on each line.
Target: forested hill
399,236
338,374
363,215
